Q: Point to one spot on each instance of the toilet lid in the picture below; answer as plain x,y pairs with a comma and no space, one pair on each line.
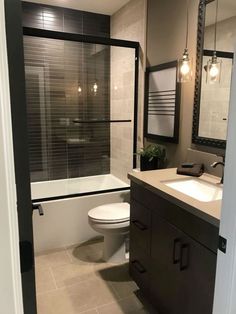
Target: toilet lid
117,212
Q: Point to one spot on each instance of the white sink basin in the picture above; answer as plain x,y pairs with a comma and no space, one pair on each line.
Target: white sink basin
197,188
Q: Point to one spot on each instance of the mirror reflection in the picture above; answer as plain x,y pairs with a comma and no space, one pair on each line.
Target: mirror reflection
217,61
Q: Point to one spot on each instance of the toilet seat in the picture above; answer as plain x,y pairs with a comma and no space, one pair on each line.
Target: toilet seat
110,213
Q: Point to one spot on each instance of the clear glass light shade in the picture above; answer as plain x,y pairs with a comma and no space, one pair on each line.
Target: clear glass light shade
185,68
94,88
213,70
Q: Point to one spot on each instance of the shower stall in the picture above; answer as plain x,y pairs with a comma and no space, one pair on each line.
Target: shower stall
82,117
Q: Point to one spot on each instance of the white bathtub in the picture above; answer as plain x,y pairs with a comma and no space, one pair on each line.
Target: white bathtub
65,221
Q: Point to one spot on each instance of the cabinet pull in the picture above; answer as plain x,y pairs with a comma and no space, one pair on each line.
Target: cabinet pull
139,267
176,257
184,257
139,225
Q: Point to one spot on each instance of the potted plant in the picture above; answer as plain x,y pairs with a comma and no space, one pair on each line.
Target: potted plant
152,157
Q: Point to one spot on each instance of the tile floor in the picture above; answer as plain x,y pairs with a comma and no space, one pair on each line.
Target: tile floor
76,280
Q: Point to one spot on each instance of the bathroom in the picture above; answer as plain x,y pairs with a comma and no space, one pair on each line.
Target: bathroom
97,234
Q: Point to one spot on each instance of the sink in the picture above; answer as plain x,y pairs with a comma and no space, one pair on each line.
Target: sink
197,188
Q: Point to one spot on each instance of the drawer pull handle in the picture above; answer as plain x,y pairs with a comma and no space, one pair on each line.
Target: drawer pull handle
184,257
139,225
176,253
139,267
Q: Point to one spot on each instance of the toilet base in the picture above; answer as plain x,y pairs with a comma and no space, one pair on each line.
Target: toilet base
114,250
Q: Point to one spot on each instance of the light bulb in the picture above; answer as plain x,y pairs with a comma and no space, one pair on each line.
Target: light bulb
95,88
185,68
214,71
79,89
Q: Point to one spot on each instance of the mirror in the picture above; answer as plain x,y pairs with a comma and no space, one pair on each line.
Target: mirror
212,99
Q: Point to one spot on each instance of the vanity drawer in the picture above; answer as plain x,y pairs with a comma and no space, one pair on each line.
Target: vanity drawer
139,267
140,225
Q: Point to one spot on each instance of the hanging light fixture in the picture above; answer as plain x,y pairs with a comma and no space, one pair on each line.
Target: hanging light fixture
185,64
95,84
79,89
95,88
214,64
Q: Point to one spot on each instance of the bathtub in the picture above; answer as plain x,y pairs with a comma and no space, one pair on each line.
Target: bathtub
66,204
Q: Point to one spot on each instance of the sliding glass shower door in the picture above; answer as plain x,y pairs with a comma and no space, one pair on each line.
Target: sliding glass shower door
81,113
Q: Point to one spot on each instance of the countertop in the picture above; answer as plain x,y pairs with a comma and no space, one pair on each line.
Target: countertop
153,181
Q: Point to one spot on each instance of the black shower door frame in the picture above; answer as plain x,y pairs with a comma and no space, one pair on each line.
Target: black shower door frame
35,32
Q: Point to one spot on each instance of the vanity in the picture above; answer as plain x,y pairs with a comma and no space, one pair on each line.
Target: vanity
174,239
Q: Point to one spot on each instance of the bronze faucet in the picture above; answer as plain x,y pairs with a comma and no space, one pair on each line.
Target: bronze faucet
222,163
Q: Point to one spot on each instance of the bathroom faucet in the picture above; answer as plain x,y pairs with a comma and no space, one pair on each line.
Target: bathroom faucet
222,163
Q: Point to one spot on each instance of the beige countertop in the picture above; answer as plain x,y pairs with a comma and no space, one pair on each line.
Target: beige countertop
153,180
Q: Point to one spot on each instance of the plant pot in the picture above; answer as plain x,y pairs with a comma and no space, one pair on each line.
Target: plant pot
145,164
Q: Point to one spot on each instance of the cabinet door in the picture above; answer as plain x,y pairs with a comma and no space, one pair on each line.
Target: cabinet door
182,271
197,268
165,257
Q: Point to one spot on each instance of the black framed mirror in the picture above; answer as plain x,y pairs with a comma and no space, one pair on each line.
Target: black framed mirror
211,101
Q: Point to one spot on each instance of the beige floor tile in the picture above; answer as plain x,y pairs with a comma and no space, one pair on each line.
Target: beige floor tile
44,280
60,302
128,305
118,276
72,273
75,281
53,259
124,289
77,298
90,312
90,252
55,302
90,294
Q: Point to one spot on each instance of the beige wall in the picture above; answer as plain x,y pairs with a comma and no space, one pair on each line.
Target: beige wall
165,43
128,23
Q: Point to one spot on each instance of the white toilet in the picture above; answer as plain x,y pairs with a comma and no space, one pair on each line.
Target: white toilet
112,221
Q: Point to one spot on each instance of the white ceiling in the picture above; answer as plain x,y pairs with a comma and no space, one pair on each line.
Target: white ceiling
108,7
227,9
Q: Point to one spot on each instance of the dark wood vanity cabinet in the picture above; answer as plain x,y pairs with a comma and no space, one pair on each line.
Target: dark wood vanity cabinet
172,254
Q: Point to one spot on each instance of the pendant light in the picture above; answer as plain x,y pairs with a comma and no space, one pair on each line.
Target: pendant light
79,89
185,64
214,64
95,84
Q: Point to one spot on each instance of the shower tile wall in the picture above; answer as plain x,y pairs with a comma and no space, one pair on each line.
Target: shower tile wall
122,107
65,20
128,23
56,70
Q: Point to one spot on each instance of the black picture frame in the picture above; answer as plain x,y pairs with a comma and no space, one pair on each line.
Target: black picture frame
175,107
196,139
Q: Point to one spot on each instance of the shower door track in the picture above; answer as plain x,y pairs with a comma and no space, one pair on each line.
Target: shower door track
37,202
35,32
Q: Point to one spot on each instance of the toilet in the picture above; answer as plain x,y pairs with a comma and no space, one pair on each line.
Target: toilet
112,221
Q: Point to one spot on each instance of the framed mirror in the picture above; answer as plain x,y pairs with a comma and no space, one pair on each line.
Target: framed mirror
211,101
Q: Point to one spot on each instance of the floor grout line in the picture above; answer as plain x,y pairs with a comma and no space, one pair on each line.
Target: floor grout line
53,277
69,255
